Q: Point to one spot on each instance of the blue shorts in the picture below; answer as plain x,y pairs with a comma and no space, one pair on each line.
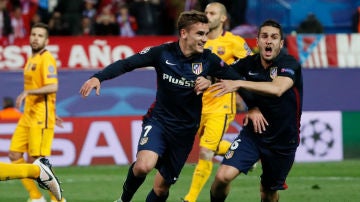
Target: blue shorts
173,149
276,164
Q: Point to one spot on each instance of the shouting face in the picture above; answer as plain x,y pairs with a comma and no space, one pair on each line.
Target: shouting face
270,43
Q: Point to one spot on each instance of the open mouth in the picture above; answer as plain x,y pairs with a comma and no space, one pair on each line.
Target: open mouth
268,51
201,45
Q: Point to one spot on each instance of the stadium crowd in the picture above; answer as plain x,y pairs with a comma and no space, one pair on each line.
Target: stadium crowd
100,17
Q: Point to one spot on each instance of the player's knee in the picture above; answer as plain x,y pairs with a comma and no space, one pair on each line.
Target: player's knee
141,168
222,178
206,154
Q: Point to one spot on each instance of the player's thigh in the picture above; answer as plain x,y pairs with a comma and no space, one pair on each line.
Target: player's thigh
173,160
243,153
274,174
152,137
20,139
214,129
226,173
146,160
40,141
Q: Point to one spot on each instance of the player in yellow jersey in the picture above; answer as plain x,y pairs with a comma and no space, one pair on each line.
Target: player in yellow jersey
40,170
35,129
217,112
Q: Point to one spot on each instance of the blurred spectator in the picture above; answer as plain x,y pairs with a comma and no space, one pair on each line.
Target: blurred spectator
88,17
114,4
17,23
9,112
46,8
148,14
237,12
236,9
89,10
105,23
356,21
28,9
173,10
311,25
57,26
196,4
5,20
71,12
245,30
87,26
35,19
127,23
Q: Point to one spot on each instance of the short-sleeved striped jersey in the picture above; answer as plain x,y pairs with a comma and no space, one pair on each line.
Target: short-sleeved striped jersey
229,48
39,111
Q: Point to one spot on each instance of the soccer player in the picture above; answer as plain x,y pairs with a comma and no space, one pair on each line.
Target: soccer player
217,112
170,126
40,170
35,129
274,79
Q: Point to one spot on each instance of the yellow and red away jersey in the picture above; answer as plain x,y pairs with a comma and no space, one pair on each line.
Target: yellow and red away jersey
228,47
40,110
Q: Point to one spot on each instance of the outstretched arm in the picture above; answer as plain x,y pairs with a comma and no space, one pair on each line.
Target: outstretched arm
276,87
90,84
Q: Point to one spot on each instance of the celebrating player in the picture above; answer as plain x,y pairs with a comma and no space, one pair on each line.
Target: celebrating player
274,81
171,123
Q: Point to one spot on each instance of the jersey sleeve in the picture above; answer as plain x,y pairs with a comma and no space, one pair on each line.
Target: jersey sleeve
220,69
288,67
241,66
241,48
142,59
49,70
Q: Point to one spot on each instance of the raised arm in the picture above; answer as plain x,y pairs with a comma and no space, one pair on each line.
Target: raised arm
276,87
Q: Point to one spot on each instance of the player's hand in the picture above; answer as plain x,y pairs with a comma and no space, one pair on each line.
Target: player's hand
20,98
86,88
258,120
59,121
201,84
223,87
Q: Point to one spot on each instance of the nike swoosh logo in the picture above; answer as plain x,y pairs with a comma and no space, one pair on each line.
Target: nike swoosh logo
169,63
253,73
48,174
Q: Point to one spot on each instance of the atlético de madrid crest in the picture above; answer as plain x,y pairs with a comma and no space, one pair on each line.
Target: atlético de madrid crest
273,72
144,140
197,68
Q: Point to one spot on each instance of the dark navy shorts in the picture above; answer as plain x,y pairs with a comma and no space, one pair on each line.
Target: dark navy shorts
276,164
173,149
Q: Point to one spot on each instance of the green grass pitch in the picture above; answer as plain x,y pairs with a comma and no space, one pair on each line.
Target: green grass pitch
309,182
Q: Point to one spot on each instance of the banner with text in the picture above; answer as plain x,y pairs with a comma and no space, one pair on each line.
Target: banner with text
113,140
85,52
90,52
